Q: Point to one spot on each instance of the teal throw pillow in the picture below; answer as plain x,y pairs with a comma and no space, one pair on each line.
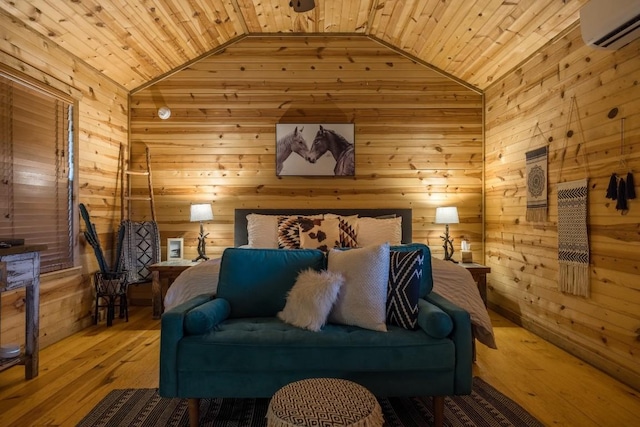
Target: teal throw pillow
433,320
206,316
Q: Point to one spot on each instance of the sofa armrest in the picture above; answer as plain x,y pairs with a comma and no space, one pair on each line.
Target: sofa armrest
172,329
462,338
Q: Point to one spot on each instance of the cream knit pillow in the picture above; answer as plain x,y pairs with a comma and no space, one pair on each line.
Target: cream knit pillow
363,298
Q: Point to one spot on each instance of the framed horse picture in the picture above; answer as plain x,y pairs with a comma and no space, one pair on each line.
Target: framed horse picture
304,149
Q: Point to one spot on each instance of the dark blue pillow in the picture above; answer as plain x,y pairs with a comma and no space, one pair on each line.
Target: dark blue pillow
403,292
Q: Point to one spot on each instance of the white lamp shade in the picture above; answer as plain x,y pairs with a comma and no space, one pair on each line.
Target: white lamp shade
201,212
447,215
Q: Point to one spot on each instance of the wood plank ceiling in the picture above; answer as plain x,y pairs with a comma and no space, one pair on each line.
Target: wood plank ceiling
134,42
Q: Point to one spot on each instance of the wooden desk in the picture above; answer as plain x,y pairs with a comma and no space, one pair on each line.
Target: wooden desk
20,268
479,273
160,271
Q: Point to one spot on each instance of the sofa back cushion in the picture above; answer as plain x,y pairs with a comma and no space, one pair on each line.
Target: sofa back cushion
426,284
255,282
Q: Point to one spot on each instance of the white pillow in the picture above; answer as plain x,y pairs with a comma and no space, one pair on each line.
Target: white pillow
262,231
363,298
375,231
311,298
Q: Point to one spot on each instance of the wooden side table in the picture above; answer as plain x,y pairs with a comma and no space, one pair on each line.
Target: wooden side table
479,273
168,270
20,268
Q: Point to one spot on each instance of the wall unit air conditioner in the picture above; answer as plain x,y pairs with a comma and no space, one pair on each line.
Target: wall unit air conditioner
610,24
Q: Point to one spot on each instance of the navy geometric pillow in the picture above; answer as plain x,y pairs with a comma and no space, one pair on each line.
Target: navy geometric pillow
405,274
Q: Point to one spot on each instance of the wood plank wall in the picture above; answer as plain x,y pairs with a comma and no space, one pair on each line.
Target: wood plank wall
418,136
67,299
603,329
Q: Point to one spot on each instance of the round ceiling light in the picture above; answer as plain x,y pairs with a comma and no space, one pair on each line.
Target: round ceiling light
164,113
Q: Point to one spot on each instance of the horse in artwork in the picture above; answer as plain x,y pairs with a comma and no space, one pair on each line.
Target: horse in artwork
341,150
293,142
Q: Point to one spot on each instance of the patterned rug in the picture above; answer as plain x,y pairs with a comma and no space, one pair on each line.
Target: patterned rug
485,407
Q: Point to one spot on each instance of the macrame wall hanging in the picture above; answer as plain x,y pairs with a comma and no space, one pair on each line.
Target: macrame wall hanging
618,189
573,237
536,162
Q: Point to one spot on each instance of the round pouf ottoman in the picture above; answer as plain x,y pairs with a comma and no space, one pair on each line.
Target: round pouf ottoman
324,402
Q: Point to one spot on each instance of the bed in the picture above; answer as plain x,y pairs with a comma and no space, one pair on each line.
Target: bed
254,228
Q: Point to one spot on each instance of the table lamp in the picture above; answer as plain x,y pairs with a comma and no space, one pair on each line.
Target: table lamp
447,215
201,212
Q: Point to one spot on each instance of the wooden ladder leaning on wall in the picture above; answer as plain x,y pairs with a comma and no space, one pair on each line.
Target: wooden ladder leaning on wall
126,196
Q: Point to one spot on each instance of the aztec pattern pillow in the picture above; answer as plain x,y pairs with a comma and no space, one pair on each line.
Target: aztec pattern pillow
405,273
323,234
348,229
289,232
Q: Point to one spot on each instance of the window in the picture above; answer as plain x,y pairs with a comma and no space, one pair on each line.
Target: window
37,173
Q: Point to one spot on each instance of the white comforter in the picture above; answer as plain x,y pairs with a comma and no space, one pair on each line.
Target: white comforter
449,280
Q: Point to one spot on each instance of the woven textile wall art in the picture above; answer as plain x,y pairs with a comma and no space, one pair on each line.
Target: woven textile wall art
573,238
537,184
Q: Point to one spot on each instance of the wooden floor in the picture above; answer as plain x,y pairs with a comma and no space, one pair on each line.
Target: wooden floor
79,371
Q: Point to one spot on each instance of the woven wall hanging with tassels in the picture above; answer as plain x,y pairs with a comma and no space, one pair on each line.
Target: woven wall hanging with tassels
573,234
620,190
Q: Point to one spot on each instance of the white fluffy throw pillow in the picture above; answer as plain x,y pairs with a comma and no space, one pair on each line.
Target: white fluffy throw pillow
311,298
363,298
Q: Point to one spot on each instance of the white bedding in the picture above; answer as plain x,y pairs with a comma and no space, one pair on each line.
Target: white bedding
456,284
200,279
449,280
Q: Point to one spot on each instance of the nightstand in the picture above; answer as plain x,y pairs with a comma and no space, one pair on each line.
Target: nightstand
168,270
479,273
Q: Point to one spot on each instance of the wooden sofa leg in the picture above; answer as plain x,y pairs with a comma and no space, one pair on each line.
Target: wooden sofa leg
438,411
194,412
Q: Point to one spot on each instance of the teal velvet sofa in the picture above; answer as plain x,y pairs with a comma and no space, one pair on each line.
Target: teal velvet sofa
234,345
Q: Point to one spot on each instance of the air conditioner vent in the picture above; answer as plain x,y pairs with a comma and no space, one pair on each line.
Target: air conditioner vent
607,27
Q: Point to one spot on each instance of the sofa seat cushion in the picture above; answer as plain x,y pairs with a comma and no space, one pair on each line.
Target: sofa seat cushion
269,345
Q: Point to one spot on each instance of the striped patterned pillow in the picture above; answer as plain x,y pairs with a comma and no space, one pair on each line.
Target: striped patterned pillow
405,274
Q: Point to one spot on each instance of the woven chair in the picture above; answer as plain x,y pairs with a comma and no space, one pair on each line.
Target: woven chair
111,292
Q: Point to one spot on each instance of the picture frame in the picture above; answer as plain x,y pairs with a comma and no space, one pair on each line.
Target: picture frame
315,149
175,248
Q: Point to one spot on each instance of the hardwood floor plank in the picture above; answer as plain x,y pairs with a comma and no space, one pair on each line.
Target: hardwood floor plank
77,372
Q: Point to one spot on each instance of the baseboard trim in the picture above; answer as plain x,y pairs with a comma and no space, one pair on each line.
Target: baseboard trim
620,373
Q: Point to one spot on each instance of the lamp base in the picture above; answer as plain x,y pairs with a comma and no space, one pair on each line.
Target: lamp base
447,245
201,245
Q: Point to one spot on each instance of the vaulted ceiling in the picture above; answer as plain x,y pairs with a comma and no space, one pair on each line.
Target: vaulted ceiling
134,42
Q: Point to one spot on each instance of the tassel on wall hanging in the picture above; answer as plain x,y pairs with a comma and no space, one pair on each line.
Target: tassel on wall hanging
631,186
618,189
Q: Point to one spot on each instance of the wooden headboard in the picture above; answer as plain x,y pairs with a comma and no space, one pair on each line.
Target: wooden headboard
240,223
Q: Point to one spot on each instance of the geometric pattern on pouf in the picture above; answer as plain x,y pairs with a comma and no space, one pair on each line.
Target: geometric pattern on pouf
324,402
